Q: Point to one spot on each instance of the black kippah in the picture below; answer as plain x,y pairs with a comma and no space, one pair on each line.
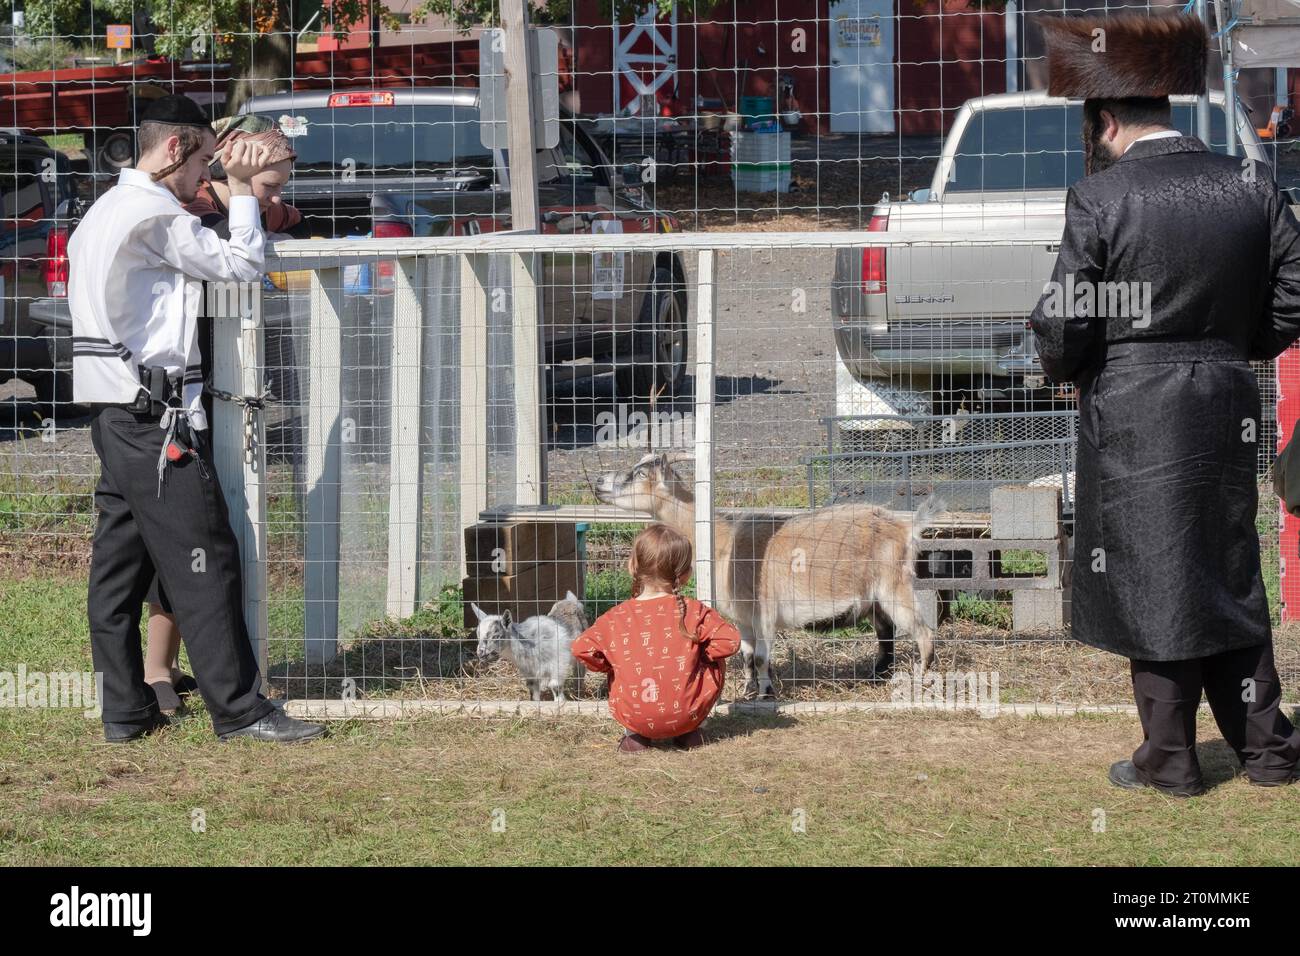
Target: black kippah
176,110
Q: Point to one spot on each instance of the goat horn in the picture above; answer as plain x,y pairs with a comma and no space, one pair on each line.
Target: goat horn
673,457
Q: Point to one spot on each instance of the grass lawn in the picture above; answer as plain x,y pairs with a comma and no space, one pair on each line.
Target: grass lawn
867,788
902,789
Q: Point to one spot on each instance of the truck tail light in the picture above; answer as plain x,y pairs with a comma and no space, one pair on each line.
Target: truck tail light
389,229
56,263
367,98
873,257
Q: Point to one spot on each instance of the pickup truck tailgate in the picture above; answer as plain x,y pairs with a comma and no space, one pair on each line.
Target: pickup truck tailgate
977,281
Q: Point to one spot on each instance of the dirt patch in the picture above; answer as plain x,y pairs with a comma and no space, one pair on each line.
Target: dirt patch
24,556
834,183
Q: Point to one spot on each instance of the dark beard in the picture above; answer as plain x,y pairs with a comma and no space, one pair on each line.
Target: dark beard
1096,155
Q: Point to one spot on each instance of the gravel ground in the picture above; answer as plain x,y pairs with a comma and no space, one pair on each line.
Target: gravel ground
775,376
40,453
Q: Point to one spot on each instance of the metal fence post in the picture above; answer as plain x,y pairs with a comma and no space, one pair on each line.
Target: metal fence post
406,461
473,393
530,395
706,307
324,466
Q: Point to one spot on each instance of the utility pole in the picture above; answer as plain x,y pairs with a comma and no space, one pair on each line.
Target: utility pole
519,116
530,382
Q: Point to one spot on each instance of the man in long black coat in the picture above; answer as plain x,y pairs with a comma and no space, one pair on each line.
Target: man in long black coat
1177,267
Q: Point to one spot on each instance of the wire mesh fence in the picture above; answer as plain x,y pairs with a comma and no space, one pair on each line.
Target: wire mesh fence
844,373
773,376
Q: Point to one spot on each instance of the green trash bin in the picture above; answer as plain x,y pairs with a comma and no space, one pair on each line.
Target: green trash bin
757,109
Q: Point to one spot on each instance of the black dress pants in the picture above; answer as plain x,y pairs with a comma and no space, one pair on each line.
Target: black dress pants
1244,693
184,535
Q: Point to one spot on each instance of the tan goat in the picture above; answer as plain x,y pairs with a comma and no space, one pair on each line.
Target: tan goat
775,571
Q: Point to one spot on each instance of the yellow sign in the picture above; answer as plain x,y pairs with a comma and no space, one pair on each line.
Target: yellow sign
858,31
118,37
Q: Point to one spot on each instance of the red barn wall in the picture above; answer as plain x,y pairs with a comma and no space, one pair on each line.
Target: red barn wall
947,54
942,57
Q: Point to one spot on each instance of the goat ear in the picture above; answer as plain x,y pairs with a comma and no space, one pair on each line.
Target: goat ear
505,618
571,597
478,611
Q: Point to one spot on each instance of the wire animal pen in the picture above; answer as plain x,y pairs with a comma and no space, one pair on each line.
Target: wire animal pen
409,425
441,407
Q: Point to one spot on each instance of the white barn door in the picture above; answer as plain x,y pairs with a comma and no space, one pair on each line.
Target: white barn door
862,66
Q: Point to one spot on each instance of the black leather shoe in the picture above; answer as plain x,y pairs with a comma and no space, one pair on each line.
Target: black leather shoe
1124,774
123,733
186,685
279,727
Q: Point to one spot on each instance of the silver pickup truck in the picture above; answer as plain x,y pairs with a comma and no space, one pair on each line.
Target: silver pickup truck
941,330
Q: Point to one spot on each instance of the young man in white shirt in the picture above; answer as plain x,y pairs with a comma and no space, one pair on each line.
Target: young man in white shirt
137,263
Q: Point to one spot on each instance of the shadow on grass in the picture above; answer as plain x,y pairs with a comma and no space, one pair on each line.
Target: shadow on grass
726,726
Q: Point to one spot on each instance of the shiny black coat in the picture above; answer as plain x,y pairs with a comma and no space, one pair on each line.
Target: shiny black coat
1166,555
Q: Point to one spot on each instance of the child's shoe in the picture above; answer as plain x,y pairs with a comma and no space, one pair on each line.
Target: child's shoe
689,741
633,744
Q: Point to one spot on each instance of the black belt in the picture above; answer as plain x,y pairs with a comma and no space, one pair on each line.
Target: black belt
1157,351
158,390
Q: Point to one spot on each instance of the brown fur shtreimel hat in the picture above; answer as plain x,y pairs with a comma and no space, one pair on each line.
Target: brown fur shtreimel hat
1126,55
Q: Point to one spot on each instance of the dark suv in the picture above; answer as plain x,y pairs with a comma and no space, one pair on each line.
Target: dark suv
38,196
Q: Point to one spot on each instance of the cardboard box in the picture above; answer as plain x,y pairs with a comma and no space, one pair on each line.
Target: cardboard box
507,549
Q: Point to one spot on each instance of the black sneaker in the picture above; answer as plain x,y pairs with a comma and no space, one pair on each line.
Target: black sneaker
278,727
123,733
1124,774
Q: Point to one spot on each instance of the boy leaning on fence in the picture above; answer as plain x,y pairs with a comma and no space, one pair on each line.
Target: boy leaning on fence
134,260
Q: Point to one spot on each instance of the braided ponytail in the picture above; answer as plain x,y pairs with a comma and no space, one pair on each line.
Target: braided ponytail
663,556
692,636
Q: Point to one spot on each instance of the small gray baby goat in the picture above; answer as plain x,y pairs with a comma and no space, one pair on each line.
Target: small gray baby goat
538,647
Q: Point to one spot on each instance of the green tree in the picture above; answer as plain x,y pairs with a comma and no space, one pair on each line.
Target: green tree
255,36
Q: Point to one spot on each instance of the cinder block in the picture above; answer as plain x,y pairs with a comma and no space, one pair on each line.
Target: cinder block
1038,610
1020,511
494,549
526,594
933,606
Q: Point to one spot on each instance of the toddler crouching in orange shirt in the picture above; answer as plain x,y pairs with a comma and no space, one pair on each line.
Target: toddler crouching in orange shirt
665,653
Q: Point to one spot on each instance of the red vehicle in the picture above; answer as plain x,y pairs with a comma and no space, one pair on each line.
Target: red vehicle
102,102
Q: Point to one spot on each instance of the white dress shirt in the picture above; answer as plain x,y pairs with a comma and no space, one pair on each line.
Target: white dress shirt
1162,134
137,261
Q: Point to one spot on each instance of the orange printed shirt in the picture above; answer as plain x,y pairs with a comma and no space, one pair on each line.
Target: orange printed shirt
661,685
